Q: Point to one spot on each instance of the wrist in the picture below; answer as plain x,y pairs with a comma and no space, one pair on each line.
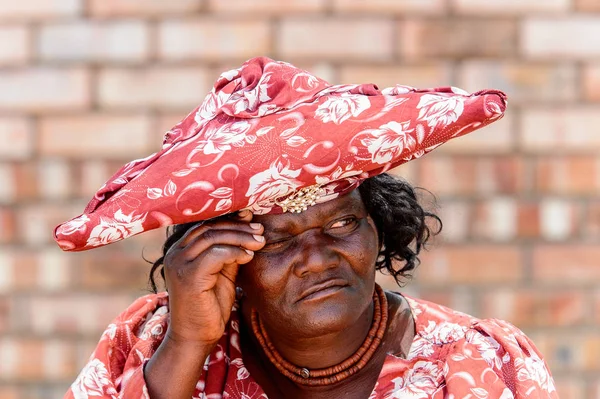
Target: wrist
179,340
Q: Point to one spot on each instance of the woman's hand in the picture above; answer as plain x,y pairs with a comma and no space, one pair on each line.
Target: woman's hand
200,272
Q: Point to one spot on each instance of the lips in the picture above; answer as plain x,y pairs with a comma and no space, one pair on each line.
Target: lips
326,285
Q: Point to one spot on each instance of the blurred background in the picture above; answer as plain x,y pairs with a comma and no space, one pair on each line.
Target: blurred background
86,85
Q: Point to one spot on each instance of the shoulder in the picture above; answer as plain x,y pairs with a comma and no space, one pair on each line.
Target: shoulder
441,324
145,318
463,342
143,308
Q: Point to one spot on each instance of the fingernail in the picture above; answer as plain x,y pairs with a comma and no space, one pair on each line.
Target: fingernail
258,238
244,213
249,252
255,226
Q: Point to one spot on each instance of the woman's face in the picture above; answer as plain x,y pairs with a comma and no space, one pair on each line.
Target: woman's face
316,273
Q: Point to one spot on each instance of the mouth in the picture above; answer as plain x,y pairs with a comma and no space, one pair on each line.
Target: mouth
323,289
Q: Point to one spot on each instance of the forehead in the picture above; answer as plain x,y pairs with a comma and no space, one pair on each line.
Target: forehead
320,213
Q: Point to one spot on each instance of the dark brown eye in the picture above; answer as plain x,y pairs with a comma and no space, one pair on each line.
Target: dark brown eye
343,225
275,245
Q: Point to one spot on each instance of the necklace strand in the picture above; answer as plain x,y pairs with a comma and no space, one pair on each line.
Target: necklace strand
338,372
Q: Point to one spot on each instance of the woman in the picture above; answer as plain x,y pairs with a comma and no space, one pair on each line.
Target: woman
262,304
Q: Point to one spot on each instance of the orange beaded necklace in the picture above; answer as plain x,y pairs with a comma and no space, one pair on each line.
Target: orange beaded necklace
339,372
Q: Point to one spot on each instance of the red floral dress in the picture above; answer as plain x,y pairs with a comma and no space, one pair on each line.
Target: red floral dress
452,356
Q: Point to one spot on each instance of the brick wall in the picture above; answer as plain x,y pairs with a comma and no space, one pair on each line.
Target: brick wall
88,85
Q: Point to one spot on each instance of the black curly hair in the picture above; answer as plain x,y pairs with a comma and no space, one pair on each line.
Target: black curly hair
403,225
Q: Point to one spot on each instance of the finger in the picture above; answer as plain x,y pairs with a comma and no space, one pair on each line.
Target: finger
219,256
230,271
248,240
222,224
244,215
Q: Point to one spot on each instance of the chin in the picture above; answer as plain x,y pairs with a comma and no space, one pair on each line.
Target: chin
332,314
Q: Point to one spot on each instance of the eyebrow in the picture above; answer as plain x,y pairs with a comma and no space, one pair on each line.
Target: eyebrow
352,207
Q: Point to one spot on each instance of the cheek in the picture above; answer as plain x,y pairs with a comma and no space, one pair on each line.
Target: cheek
368,249
259,279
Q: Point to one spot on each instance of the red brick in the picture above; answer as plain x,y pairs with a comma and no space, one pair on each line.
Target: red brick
262,7
17,138
138,8
75,313
5,305
33,359
457,218
8,186
19,358
44,89
592,221
410,7
38,9
528,308
474,264
560,130
523,82
211,39
15,49
421,76
6,273
495,219
407,171
55,271
55,179
591,82
456,38
559,219
566,264
58,360
570,350
594,390
113,269
26,174
37,222
465,176
596,307
19,270
458,298
90,176
166,87
79,136
10,392
550,219
587,6
555,38
567,175
7,225
570,388
94,41
496,7
528,220
339,39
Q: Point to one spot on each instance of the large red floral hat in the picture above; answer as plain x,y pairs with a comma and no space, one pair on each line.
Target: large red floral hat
273,138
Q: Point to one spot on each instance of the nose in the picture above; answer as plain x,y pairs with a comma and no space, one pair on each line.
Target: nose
314,254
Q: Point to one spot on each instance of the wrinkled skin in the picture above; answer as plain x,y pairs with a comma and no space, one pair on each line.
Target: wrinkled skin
279,261
336,240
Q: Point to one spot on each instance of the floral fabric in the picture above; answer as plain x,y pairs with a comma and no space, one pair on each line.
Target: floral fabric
266,130
452,356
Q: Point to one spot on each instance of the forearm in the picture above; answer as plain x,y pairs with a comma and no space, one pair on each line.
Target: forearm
175,368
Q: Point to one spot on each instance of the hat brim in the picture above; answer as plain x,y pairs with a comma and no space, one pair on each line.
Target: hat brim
332,139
